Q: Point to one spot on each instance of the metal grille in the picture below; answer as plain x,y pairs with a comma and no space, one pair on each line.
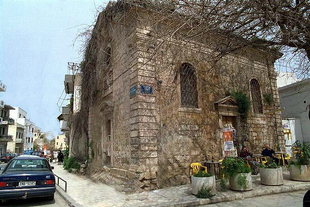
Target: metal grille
256,97
108,56
188,82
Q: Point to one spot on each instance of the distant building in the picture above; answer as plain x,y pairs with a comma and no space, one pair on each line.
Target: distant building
73,86
17,131
36,135
5,122
61,142
295,104
30,130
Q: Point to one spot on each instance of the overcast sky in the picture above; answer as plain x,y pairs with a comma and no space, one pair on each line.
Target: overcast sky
37,39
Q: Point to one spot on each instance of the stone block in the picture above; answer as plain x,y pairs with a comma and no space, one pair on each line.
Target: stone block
150,140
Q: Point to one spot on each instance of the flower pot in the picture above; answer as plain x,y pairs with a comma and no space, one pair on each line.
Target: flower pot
199,182
300,172
235,180
271,176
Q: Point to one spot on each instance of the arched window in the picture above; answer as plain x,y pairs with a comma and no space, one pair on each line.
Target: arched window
256,97
188,84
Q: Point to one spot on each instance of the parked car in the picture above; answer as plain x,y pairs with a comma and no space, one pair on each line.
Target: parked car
40,154
6,157
27,176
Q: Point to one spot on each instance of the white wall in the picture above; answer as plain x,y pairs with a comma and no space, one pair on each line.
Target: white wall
285,79
295,103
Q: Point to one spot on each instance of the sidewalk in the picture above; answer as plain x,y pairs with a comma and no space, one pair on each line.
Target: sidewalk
88,193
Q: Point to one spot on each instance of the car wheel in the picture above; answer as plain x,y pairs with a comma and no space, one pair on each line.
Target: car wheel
50,198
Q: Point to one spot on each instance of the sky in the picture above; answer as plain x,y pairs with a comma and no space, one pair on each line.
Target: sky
37,40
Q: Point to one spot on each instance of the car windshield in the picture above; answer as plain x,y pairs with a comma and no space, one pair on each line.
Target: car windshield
28,165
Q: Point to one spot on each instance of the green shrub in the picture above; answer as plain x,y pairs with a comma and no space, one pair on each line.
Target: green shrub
205,192
202,173
302,156
268,98
71,163
223,185
243,103
241,181
66,153
233,165
271,165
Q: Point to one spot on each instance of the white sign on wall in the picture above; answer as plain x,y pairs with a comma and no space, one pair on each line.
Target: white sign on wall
77,99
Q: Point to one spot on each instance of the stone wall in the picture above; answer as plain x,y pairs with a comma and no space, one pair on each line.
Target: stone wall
189,135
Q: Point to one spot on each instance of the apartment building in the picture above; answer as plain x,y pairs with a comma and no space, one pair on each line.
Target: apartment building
5,122
61,142
17,130
30,130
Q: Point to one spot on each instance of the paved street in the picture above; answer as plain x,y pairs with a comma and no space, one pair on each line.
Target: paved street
35,202
278,200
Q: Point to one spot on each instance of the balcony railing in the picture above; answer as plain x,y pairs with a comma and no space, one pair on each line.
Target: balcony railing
64,126
6,138
18,141
7,121
69,84
66,110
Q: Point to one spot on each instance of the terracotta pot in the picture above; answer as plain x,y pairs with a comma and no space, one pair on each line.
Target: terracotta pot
200,182
300,172
271,176
234,185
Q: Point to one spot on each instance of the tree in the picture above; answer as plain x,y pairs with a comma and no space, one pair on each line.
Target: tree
283,25
51,144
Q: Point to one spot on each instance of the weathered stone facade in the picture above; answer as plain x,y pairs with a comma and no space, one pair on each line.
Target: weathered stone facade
137,131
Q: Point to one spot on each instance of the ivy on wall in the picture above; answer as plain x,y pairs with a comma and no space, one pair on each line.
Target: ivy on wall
243,103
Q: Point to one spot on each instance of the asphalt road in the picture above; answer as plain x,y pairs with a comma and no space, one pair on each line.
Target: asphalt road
36,202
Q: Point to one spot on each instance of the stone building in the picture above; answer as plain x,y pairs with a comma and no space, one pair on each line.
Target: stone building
152,105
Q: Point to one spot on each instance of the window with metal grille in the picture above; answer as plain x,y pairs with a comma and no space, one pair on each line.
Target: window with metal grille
188,82
108,53
256,97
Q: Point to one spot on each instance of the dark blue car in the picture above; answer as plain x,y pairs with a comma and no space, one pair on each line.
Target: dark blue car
27,176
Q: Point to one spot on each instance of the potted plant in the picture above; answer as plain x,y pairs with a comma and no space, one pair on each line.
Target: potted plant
238,172
300,167
271,174
202,180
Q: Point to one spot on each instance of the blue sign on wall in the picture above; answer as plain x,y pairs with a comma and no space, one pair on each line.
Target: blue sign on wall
145,89
133,91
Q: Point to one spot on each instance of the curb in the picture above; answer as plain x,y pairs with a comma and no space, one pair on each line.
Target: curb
71,202
227,197
241,196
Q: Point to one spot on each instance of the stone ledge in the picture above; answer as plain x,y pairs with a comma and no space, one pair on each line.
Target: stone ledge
181,196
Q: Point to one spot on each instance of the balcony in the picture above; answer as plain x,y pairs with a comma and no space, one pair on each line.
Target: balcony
69,86
19,141
65,112
2,87
64,126
6,138
7,121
